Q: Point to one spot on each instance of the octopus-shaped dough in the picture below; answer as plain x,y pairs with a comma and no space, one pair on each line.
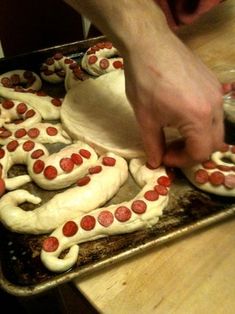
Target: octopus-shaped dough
101,183
101,58
21,80
141,212
50,172
60,68
216,175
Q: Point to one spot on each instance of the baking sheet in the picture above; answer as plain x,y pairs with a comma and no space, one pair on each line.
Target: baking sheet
189,209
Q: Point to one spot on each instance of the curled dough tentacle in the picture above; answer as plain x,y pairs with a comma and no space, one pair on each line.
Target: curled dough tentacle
51,172
216,175
101,58
102,182
60,68
140,212
48,107
16,78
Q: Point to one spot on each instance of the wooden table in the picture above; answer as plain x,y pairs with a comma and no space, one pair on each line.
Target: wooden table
194,274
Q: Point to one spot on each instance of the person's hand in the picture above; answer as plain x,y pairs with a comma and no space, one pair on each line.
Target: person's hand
168,85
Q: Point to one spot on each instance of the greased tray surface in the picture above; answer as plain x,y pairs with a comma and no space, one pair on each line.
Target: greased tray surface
189,209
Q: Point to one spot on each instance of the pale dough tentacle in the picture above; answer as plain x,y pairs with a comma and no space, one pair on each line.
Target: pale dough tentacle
45,133
48,107
73,202
141,212
60,68
51,172
16,78
101,58
216,175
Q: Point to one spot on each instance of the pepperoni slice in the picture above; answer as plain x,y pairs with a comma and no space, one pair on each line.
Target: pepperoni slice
37,153
2,153
109,161
225,148
15,79
201,176
83,181
68,61
41,93
5,134
92,59
11,146
50,244
2,187
139,207
122,213
8,104
20,133
151,195
58,56
227,87
88,222
33,132
77,159
233,149
164,180
229,181
51,131
21,108
104,64
28,75
49,61
224,168
70,228
48,72
30,113
101,45
38,166
108,45
85,153
117,64
216,178
56,102
66,164
28,146
161,189
105,218
6,82
50,172
209,164
95,169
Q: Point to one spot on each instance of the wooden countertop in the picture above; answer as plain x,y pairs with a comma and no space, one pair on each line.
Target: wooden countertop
196,273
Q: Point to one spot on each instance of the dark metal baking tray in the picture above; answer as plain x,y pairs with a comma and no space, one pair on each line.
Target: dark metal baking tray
189,209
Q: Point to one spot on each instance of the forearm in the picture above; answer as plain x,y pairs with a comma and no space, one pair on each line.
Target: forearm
123,21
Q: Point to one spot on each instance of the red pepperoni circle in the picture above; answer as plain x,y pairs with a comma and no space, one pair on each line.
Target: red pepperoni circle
37,153
5,133
15,79
21,108
117,64
28,74
109,161
209,164
68,61
49,61
139,207
233,149
6,82
2,153
28,146
70,228
164,180
85,153
225,148
30,113
224,168
33,132
151,195
92,59
20,133
229,181
216,178
50,172
122,213
201,176
83,181
58,56
11,146
161,189
38,166
105,218
56,102
66,164
77,159
8,104
101,45
41,93
104,64
50,244
88,222
95,169
108,45
51,131
2,187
